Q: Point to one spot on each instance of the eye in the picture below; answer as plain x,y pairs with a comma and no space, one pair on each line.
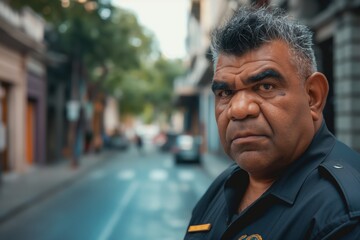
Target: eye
266,87
267,90
224,93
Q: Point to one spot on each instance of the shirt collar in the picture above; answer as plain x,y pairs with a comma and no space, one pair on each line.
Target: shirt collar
288,185
234,189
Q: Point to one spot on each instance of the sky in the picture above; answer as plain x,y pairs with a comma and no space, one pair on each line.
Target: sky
167,19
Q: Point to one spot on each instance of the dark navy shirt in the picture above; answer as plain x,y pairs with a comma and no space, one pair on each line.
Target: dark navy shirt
317,197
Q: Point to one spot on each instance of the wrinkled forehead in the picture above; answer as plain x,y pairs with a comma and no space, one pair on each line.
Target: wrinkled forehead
269,61
275,52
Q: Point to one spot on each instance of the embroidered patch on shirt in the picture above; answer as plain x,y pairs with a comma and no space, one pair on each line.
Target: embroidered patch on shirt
200,228
251,237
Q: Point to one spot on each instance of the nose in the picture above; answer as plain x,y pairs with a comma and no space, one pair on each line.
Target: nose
243,105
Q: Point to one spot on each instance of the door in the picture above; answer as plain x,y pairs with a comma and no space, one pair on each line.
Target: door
30,132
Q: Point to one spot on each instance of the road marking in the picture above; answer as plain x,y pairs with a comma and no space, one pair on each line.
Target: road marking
97,174
127,174
186,175
124,202
158,175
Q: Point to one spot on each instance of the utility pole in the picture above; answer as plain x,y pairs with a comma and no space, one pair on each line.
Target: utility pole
73,114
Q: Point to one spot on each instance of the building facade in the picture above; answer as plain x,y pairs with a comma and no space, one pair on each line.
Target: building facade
22,89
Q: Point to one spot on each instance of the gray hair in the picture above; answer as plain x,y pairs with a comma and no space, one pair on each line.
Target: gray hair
251,27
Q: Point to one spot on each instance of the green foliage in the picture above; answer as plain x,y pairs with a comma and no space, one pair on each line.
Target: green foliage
113,49
150,86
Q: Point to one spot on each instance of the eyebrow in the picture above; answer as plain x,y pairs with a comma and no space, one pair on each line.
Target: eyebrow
219,85
268,73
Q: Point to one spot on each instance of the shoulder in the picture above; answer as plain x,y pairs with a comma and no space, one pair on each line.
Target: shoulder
342,168
328,202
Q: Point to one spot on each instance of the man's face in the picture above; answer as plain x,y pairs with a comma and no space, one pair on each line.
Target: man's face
262,109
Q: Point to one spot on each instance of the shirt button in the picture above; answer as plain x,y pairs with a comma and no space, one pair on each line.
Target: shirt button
338,166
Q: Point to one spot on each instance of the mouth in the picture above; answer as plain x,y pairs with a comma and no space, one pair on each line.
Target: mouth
247,138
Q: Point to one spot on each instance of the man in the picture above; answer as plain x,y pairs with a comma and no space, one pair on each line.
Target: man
291,178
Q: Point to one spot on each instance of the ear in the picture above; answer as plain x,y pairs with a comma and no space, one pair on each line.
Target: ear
317,88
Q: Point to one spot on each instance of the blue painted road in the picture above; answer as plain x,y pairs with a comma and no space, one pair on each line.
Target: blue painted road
131,196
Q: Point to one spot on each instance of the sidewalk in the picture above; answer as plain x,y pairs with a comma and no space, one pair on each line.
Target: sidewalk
18,192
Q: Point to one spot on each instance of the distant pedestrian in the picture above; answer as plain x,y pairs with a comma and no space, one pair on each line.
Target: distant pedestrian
139,143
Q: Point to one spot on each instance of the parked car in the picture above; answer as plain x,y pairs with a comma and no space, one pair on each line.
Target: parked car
169,143
118,142
187,149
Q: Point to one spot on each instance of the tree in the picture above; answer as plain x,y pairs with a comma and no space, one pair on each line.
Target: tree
107,45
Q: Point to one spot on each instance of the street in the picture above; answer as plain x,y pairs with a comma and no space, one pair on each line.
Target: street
130,196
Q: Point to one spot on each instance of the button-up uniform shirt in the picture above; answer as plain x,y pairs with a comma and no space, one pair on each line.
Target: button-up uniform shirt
317,197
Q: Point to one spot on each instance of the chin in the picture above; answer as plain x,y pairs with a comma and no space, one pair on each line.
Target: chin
251,160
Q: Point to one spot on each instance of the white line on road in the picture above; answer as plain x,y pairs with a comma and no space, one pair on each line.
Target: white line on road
125,200
127,174
97,174
158,175
186,175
